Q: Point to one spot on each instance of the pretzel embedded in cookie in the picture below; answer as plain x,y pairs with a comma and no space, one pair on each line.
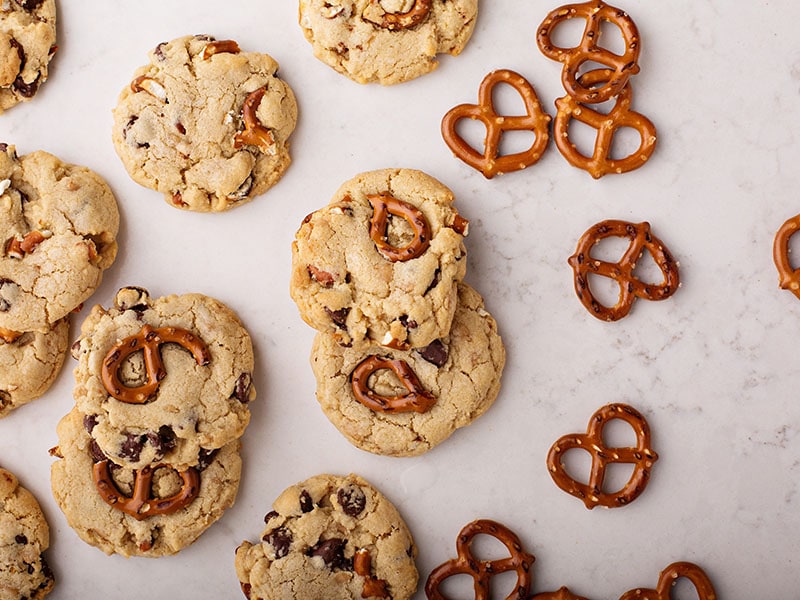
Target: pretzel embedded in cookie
404,20
668,577
630,287
789,276
417,398
254,133
641,456
490,162
482,571
385,205
620,67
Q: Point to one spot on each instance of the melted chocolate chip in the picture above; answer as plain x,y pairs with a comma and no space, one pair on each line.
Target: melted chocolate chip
21,538
339,317
352,500
241,389
306,503
159,51
270,515
164,440
435,353
25,89
205,458
280,539
437,277
408,323
132,446
332,552
29,4
89,422
5,305
96,453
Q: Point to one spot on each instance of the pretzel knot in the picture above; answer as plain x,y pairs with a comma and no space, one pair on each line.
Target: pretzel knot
622,272
254,133
600,162
482,572
405,20
668,577
789,277
384,206
490,163
620,67
641,456
417,399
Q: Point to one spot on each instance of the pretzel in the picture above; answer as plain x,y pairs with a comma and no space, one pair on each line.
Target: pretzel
641,456
620,67
417,399
490,163
384,205
254,133
149,341
219,46
630,287
789,277
562,594
406,20
482,572
373,587
141,504
600,162
668,577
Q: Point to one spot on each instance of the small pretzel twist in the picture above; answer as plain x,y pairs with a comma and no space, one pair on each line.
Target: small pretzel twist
416,400
630,287
692,572
406,20
482,572
254,133
620,67
385,205
789,277
490,163
641,456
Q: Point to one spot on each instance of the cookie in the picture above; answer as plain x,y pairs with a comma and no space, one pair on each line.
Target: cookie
27,43
29,363
386,41
380,263
24,536
330,538
403,403
160,380
59,225
205,124
155,511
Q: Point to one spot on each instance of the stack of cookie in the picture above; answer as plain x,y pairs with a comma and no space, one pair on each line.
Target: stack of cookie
406,353
149,455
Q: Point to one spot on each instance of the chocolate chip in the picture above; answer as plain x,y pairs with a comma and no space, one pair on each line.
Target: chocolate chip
280,539
270,515
407,323
25,89
339,317
332,552
435,353
159,51
29,4
21,539
3,147
352,500
132,446
5,304
241,389
89,422
164,440
306,503
205,458
96,453
243,190
437,277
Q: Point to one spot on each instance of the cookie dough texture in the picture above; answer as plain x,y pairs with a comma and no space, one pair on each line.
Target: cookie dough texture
59,224
352,37
461,370
175,126
27,43
194,407
312,535
29,364
24,536
342,284
112,531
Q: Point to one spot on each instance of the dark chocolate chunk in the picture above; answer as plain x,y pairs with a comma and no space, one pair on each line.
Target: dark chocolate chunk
435,353
352,500
306,503
280,539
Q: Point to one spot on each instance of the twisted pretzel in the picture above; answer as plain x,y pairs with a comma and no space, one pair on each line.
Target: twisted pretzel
668,577
630,287
384,205
641,456
620,67
789,278
141,504
417,399
600,162
149,341
481,572
254,133
489,162
407,20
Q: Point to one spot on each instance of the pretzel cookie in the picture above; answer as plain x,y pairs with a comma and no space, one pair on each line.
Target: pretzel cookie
403,403
161,380
205,123
330,537
380,263
24,537
27,43
386,41
59,225
154,511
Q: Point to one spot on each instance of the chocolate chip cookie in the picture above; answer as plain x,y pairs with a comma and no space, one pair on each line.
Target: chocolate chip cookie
154,511
27,43
24,537
333,538
161,380
386,41
205,123
403,403
59,225
380,263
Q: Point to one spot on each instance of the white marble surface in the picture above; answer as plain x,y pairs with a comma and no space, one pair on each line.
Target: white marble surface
715,368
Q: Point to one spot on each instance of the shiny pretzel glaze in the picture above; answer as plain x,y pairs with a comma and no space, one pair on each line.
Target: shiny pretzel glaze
668,577
384,205
620,67
406,20
600,162
789,278
490,163
218,46
630,288
417,399
641,456
149,341
141,505
482,572
254,133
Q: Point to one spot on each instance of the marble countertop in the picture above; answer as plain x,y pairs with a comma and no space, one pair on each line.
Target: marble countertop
715,368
